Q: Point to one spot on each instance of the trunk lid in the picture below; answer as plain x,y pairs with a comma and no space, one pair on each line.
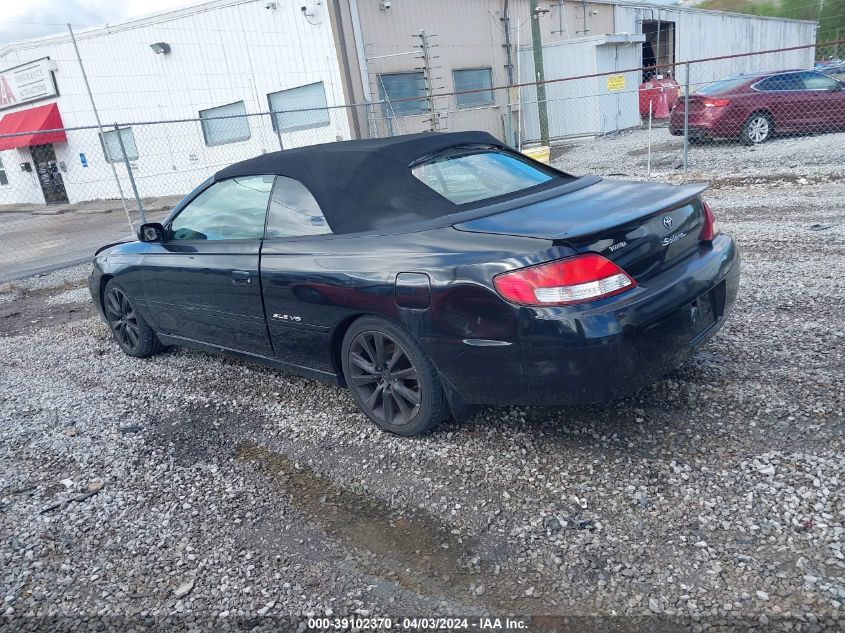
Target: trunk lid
642,227
696,103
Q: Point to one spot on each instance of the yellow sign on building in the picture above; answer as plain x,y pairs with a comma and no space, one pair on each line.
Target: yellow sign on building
615,83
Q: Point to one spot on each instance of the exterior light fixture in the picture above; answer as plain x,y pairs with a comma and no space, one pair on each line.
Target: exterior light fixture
160,48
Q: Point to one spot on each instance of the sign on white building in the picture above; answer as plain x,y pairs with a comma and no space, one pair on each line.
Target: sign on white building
27,82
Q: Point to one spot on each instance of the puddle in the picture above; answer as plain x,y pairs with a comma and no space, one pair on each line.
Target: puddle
413,549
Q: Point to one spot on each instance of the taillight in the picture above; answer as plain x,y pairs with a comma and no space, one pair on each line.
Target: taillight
563,282
715,103
709,231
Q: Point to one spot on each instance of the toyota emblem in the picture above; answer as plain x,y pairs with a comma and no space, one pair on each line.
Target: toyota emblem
667,222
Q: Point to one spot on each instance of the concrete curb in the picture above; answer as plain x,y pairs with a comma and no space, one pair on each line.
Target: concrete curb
42,270
153,204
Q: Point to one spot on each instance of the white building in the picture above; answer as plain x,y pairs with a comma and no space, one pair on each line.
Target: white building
225,57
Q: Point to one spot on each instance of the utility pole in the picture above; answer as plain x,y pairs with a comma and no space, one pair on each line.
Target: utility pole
506,20
510,136
539,75
100,127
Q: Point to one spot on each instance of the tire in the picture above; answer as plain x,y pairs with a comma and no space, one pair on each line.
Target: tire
759,128
391,378
128,328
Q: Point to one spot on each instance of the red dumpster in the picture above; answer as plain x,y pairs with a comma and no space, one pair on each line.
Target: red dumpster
661,93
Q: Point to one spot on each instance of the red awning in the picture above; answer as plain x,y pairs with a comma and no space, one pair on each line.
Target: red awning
44,117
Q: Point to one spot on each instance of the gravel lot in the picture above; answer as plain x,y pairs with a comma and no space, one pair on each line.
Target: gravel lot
819,158
211,491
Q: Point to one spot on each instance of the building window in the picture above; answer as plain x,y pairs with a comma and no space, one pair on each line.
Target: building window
473,79
219,131
111,145
4,180
397,86
300,108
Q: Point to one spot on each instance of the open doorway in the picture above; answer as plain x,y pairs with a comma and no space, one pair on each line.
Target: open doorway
658,48
49,176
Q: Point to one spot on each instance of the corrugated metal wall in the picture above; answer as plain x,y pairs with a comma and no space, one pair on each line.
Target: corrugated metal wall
586,106
703,34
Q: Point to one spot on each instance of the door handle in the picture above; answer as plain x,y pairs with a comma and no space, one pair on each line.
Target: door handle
241,277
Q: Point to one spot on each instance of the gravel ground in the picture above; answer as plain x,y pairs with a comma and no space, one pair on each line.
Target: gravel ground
818,158
212,492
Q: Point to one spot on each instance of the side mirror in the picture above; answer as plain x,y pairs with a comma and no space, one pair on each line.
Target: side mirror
151,232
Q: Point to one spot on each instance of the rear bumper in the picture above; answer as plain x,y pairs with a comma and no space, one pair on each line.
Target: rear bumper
708,123
608,349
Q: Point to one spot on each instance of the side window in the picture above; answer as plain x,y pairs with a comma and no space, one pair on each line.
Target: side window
232,209
294,211
779,83
818,81
767,85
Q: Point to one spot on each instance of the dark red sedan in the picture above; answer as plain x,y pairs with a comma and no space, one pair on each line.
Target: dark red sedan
755,106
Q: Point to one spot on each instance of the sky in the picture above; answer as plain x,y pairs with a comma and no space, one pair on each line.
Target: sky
25,19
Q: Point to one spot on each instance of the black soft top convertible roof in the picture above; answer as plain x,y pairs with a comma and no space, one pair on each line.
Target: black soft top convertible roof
368,184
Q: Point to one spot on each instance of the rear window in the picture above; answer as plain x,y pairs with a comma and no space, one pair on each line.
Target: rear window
723,85
463,176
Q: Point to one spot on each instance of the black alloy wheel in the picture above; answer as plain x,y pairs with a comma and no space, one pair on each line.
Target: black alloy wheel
122,319
384,378
391,377
128,327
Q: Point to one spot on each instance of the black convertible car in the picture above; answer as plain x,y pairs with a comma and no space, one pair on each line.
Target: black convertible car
427,273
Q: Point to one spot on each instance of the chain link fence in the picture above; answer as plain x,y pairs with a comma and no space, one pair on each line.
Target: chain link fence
63,193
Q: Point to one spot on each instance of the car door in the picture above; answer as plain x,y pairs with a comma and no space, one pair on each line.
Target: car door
785,97
308,278
202,282
825,101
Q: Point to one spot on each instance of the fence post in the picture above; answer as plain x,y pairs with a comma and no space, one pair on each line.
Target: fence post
650,102
131,177
686,116
100,128
539,73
